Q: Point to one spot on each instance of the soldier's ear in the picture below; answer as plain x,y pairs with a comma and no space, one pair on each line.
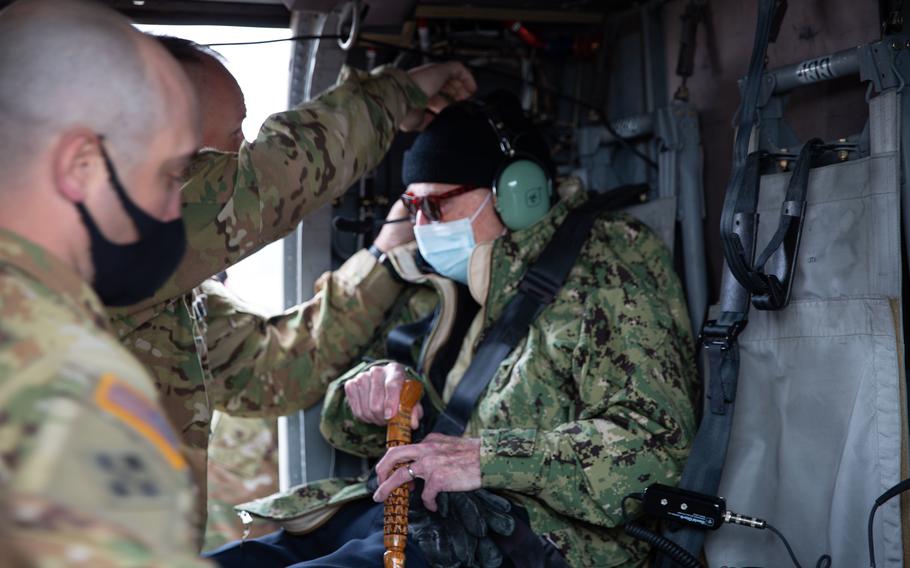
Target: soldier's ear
78,165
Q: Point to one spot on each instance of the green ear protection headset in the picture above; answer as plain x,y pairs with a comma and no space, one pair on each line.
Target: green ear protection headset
522,186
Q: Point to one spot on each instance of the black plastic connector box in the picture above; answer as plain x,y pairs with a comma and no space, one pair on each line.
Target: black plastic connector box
694,509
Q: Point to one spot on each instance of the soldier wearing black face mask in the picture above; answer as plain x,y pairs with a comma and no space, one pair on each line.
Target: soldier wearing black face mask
129,273
92,470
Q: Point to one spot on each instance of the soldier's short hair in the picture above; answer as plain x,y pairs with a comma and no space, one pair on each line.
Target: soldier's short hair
72,63
187,51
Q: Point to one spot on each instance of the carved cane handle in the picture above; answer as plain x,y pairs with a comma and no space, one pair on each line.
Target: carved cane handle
395,514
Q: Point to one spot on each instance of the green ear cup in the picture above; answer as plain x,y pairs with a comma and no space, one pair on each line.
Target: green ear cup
523,193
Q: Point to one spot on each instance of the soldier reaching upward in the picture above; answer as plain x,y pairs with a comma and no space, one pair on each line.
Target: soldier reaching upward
240,196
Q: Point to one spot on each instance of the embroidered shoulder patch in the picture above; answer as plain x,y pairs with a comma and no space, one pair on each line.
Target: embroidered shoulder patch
139,413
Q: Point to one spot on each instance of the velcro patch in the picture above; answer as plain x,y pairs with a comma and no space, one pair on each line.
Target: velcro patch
139,413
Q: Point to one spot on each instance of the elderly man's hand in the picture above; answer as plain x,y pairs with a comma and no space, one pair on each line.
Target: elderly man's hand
443,83
395,234
374,394
445,463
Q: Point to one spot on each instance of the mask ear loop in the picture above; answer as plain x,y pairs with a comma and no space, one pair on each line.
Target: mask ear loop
143,222
482,205
87,220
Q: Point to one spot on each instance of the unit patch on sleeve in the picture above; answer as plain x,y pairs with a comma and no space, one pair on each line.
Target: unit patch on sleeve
139,413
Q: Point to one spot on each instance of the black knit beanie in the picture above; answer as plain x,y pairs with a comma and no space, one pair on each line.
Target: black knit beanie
460,146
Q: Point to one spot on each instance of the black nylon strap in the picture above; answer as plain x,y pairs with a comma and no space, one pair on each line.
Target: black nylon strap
794,202
703,469
771,291
709,451
743,203
497,344
748,110
402,341
537,289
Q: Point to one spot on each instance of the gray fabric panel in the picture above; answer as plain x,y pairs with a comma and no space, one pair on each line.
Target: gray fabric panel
816,437
885,122
817,430
660,216
850,243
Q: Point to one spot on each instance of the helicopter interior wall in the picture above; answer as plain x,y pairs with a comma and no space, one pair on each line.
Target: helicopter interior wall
812,27
626,90
829,110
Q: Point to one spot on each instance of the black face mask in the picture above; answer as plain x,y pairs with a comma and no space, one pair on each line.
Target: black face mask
127,274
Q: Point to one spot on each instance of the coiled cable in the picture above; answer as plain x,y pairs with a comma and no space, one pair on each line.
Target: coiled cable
679,554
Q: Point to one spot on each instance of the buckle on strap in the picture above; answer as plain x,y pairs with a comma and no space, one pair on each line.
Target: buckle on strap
722,335
719,337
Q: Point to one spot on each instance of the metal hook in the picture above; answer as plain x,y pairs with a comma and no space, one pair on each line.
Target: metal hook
350,10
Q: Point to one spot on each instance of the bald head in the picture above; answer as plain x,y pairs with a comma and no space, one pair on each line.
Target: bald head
71,63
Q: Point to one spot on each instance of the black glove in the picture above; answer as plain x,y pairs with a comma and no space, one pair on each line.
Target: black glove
436,541
495,511
457,535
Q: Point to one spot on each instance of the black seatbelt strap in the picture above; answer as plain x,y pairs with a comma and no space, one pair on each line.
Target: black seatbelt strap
770,286
703,469
776,293
446,355
403,340
537,289
737,189
719,337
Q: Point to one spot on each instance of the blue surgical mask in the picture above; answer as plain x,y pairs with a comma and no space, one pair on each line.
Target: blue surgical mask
447,245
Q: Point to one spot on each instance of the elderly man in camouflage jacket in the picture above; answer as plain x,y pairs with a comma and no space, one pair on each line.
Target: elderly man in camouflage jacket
593,403
236,201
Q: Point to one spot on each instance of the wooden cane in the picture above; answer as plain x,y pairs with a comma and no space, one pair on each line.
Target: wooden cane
395,513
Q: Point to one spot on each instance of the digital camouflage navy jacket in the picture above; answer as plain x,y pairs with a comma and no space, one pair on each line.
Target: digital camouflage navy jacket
234,204
596,402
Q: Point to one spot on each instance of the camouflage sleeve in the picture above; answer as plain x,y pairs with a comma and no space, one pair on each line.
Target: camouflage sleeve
633,372
47,534
343,431
236,203
271,366
107,469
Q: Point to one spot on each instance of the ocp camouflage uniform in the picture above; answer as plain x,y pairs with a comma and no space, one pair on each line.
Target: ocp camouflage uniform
13,549
243,465
91,469
242,452
594,403
233,205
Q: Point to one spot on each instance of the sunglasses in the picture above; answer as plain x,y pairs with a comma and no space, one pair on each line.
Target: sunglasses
431,205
